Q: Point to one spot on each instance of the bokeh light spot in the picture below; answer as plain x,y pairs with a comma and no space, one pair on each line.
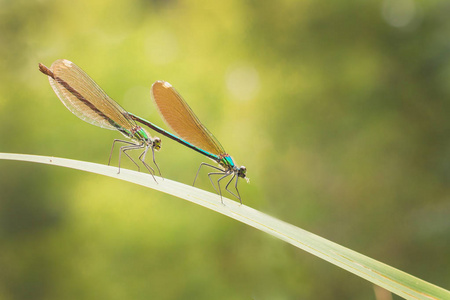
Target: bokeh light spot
399,13
161,47
243,82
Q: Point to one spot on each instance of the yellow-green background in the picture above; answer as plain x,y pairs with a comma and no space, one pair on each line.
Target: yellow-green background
338,109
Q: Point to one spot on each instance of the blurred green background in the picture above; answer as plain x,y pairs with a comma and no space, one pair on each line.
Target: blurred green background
339,111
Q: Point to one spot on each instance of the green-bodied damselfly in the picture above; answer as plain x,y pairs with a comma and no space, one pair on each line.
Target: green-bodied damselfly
85,99
192,133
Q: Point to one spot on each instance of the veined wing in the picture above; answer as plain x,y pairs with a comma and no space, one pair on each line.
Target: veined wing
180,118
84,98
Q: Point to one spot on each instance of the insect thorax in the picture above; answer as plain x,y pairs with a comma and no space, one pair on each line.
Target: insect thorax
227,162
140,134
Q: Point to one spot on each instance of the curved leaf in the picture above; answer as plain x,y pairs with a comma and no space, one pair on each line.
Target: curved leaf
391,279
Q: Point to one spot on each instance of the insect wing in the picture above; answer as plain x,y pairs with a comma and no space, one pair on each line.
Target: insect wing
180,118
84,98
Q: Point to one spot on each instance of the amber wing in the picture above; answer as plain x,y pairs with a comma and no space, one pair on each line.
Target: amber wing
180,118
84,98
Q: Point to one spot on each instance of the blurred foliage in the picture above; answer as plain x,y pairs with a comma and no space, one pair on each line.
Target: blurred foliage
339,111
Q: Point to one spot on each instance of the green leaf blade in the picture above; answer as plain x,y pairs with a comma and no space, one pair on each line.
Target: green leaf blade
394,280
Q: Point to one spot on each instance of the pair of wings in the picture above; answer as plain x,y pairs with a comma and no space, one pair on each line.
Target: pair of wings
177,114
84,98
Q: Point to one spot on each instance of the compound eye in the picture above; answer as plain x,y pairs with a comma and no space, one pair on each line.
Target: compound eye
242,171
157,143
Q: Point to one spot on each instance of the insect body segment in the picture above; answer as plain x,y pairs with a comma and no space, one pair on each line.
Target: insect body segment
85,99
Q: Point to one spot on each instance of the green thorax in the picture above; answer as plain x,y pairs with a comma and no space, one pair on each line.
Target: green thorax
227,162
140,134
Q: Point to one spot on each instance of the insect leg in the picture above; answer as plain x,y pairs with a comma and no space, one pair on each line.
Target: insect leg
218,183
235,185
210,179
142,159
112,148
126,148
153,152
205,164
225,174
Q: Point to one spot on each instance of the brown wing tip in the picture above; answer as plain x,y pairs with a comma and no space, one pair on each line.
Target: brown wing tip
45,70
